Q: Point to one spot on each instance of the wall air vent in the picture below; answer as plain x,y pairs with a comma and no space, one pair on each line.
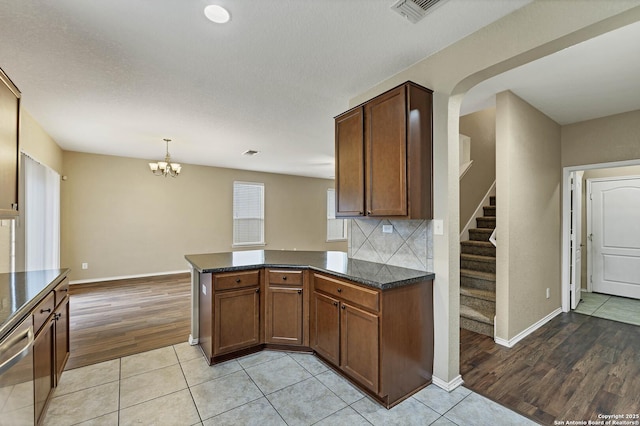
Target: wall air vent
415,10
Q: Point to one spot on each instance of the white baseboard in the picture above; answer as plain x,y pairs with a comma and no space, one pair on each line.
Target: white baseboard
527,331
127,277
448,386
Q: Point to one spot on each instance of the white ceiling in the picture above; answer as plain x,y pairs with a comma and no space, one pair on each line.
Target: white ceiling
116,77
596,78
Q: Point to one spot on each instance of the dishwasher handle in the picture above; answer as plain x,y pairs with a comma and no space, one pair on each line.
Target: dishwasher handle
13,341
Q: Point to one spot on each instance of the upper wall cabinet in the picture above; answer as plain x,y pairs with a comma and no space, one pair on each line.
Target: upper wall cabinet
384,156
9,150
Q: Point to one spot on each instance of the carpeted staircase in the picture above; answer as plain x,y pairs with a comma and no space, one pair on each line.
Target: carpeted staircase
478,275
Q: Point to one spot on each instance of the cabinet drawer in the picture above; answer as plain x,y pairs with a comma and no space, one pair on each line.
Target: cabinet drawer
43,311
61,291
361,296
233,280
284,277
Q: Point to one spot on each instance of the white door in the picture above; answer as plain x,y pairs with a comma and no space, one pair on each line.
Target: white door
576,237
615,228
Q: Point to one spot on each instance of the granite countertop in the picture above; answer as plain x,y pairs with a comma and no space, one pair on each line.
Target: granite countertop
376,275
21,291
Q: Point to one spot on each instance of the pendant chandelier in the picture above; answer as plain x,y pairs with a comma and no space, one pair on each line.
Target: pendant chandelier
165,168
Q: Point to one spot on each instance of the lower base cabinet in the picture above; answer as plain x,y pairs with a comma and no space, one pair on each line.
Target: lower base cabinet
43,368
359,345
381,339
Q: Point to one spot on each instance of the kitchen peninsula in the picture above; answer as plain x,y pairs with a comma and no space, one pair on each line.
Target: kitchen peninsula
372,323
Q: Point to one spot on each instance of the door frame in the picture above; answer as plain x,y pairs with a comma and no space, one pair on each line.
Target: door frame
566,222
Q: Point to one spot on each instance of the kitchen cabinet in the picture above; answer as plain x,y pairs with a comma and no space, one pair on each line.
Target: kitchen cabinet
61,317
43,355
9,149
381,339
346,333
284,310
384,156
325,327
230,307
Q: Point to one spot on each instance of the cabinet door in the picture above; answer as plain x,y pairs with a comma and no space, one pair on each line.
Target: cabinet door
9,153
283,322
62,337
359,346
350,164
43,368
325,327
386,154
236,320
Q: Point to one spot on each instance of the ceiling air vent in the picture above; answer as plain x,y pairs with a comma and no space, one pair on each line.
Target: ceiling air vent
414,10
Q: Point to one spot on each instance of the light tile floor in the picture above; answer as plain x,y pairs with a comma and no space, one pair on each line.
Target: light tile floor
615,308
175,386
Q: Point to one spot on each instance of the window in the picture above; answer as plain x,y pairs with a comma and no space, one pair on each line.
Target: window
248,214
336,228
42,216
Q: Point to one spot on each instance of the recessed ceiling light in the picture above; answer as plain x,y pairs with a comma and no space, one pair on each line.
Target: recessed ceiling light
250,152
217,14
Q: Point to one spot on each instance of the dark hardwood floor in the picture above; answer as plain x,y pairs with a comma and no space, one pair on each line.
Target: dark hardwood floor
112,319
573,368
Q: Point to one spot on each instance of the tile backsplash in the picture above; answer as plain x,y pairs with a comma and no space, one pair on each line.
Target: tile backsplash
410,245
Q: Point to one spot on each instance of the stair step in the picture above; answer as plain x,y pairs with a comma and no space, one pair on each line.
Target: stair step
483,248
480,300
480,234
478,263
478,293
486,222
477,279
492,200
477,321
489,210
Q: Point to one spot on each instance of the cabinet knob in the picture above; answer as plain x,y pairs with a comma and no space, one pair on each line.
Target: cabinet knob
284,278
238,280
335,303
368,211
299,291
257,290
361,213
42,311
344,307
339,290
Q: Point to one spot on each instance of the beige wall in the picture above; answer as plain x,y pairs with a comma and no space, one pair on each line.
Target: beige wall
532,32
602,140
528,181
481,128
38,144
122,220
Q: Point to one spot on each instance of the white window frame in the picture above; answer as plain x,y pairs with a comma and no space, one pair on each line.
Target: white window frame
332,220
237,230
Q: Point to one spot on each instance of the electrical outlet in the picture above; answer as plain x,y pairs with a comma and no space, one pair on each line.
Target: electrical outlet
438,227
387,229
548,293
85,265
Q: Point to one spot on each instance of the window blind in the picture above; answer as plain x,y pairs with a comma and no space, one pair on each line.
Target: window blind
42,216
248,213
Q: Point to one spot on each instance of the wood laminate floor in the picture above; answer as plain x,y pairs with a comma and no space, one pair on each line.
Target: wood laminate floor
572,369
112,319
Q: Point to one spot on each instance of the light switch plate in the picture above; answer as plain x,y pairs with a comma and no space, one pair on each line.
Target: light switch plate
438,227
387,229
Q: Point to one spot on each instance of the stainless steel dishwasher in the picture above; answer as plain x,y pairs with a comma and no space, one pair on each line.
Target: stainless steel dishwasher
16,376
